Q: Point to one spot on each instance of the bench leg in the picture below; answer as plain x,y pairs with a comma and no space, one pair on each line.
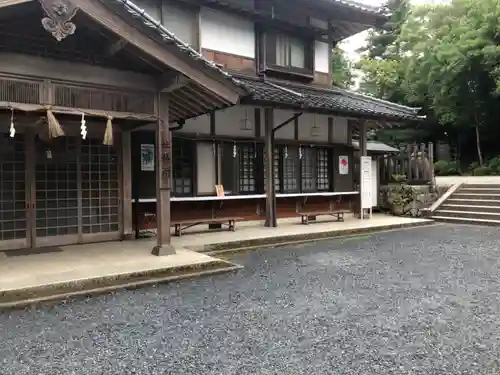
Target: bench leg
305,219
340,216
232,224
177,230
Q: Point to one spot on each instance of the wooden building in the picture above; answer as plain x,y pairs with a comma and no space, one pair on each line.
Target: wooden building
293,115
110,107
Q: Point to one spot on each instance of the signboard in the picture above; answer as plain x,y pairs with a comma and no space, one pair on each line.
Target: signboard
147,157
366,183
343,164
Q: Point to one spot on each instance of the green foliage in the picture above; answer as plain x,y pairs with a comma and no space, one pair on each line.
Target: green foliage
398,177
341,69
444,58
483,171
447,168
494,165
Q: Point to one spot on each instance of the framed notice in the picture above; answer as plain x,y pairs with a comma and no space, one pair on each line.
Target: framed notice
147,157
366,184
343,164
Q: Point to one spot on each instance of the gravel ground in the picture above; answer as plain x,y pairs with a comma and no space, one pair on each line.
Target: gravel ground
419,301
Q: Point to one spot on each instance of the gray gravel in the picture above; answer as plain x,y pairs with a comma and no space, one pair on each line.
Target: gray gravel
420,301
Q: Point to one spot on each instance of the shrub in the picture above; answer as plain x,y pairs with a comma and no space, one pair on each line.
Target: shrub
446,168
483,171
494,164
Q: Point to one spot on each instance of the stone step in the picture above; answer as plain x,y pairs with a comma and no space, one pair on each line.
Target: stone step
474,202
460,195
473,186
469,207
482,190
468,221
468,214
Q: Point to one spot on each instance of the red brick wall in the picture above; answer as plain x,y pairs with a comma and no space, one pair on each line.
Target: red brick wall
231,62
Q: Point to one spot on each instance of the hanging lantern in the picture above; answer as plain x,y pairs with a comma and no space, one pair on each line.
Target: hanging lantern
83,127
12,127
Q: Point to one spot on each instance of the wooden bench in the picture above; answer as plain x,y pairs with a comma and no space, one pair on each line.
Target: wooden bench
339,214
185,224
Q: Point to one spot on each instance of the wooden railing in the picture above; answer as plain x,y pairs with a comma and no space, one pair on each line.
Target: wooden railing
414,164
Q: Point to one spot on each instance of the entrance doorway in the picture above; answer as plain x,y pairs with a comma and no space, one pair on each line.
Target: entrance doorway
58,192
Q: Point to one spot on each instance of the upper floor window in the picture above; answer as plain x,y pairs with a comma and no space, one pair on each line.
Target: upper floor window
282,53
290,52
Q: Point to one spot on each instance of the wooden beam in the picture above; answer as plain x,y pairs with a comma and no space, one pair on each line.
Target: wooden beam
158,50
7,3
116,47
163,169
173,83
270,183
126,158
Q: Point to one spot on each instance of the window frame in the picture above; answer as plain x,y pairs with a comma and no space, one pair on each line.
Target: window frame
267,54
190,155
237,167
298,169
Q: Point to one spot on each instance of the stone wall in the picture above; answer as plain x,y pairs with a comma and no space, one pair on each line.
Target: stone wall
399,199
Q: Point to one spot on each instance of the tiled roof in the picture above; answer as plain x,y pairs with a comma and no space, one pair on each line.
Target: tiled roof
325,100
359,5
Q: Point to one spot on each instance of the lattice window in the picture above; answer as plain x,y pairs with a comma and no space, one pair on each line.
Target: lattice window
182,167
100,192
57,187
308,164
322,168
276,165
17,91
12,188
291,170
246,169
79,97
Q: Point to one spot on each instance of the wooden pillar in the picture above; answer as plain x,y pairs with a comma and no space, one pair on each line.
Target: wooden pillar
163,177
270,183
126,158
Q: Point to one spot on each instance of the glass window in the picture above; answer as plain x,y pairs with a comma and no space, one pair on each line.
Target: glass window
323,170
247,168
182,167
308,164
238,168
290,169
276,163
290,52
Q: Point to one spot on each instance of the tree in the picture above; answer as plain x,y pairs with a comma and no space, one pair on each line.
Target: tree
453,63
341,69
383,43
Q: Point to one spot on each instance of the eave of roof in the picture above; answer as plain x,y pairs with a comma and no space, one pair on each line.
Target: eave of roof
375,146
322,100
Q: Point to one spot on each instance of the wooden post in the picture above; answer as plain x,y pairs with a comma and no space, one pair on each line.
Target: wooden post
126,158
269,159
163,171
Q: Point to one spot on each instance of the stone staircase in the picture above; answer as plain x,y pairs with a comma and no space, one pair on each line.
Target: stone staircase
471,204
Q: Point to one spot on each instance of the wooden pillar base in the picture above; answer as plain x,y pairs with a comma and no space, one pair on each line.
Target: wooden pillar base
163,250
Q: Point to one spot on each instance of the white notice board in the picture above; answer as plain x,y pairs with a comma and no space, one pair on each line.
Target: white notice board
366,184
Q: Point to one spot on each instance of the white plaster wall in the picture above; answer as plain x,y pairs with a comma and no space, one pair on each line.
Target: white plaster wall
313,128
206,167
197,125
287,131
227,33
181,21
238,121
152,7
321,62
340,130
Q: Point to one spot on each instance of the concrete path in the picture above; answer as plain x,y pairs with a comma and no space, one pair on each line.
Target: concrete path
418,301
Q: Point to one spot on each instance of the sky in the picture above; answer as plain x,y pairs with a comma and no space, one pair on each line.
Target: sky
357,41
